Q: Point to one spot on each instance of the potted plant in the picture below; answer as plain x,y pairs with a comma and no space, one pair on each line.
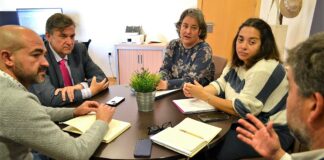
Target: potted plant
144,83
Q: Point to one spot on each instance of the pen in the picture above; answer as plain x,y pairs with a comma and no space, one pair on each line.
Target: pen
192,134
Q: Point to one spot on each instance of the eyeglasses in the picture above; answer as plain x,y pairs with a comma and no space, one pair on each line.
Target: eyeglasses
156,129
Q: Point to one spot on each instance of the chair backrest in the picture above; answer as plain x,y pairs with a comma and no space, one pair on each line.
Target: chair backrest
87,43
220,64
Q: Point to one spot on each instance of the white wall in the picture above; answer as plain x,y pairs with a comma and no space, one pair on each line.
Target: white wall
104,21
318,23
298,27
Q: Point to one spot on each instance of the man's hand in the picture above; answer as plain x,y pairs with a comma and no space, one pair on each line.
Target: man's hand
85,108
262,138
69,90
105,112
163,85
96,87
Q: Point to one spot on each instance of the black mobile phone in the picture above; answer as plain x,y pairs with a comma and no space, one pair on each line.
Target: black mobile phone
213,116
115,101
143,148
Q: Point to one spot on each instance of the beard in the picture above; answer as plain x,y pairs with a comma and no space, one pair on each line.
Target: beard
29,78
299,130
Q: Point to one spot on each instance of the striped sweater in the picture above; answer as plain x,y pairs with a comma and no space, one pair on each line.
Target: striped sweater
261,90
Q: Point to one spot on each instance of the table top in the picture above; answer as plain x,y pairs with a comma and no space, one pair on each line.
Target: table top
164,111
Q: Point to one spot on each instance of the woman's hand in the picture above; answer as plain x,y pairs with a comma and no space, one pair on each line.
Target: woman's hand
163,85
185,90
194,90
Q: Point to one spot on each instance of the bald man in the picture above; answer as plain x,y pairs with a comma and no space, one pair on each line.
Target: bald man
24,123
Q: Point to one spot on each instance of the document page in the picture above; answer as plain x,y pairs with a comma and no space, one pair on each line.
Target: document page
188,137
165,92
200,129
179,141
193,105
83,123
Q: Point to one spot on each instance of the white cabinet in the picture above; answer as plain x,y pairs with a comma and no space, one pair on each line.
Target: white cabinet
132,57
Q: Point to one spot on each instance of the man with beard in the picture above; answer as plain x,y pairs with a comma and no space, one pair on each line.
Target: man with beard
24,123
305,106
72,75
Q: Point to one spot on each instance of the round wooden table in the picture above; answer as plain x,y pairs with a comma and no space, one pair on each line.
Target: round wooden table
164,111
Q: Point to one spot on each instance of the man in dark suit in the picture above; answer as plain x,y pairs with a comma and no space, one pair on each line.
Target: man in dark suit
72,76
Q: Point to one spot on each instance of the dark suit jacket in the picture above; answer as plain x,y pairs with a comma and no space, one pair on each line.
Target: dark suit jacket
82,70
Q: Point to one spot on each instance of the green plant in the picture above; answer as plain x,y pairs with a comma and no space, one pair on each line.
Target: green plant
144,81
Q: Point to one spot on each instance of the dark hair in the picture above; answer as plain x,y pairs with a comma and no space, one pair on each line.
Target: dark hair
58,21
198,15
268,48
306,62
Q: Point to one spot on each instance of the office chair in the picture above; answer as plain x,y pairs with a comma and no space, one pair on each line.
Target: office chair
220,64
87,43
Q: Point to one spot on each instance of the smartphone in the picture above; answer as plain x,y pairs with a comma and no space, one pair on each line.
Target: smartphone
213,116
115,101
143,148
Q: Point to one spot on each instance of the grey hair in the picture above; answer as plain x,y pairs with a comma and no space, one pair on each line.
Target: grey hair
58,21
198,15
307,63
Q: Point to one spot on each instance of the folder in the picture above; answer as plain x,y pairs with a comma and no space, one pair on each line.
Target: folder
162,93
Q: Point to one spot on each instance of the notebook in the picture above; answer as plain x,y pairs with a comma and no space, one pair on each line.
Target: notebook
188,137
81,124
162,93
193,105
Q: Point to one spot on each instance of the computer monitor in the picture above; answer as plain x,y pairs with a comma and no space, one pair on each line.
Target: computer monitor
8,17
35,18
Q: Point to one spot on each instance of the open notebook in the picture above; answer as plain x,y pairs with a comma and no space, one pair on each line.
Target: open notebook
187,138
193,105
81,124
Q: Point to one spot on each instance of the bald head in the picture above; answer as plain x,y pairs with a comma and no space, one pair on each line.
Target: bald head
13,38
22,54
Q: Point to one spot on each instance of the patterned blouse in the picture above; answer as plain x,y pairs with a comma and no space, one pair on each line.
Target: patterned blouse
182,65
